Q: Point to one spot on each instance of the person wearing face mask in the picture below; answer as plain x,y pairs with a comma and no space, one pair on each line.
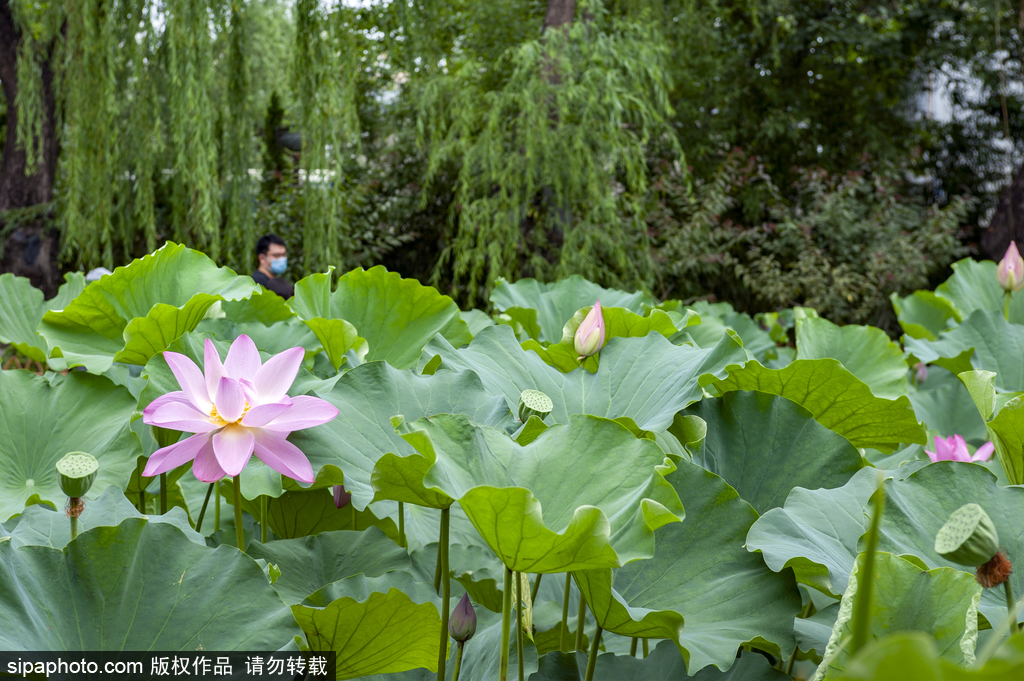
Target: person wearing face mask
273,261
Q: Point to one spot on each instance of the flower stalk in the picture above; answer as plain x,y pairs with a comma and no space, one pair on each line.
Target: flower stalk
206,502
580,620
592,658
506,615
239,533
442,653
519,623
563,643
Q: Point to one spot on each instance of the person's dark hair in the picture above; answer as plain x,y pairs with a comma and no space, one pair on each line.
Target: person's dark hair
263,245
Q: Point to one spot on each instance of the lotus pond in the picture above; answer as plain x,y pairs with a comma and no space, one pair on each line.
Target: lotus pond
550,490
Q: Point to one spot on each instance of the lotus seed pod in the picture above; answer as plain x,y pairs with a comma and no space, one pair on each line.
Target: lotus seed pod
534,402
968,538
76,472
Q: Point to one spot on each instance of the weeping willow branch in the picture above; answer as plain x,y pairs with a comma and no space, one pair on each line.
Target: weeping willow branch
239,239
552,171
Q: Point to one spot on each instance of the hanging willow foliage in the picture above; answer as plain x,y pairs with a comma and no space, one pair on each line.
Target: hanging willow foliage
89,132
195,210
325,91
552,164
237,147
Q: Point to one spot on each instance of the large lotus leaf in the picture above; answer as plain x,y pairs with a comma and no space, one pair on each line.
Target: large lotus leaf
264,307
816,532
368,396
22,308
310,512
39,525
310,563
137,586
1007,431
949,410
42,421
997,346
543,309
866,352
663,664
915,655
942,602
647,379
923,314
715,318
702,589
764,446
272,339
376,625
396,316
974,286
619,323
137,311
835,398
581,496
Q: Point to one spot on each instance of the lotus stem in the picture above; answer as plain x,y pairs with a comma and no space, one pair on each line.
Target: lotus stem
592,658
866,581
1006,310
632,647
142,499
355,521
437,570
517,579
216,509
580,620
645,648
442,653
563,644
804,614
263,518
506,612
401,534
202,511
458,661
74,529
163,493
239,534
536,588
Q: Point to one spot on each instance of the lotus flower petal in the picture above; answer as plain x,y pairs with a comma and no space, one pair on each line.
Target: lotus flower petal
213,368
230,400
190,379
276,376
176,455
243,359
265,413
284,457
1010,271
233,446
306,412
206,468
984,452
589,336
181,416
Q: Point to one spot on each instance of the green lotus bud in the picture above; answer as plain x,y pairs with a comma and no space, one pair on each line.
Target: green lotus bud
968,538
76,472
534,402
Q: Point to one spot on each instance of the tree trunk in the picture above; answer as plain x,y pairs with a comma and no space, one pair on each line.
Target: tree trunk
560,12
1008,221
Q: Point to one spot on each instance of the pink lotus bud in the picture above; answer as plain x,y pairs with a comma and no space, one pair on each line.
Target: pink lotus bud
590,336
953,448
341,497
462,624
1011,270
922,372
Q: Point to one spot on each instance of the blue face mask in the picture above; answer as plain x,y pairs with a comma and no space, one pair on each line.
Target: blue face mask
279,265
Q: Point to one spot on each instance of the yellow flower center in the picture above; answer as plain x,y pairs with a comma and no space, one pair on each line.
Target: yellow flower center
218,420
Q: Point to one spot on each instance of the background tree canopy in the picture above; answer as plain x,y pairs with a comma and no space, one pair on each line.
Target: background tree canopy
768,152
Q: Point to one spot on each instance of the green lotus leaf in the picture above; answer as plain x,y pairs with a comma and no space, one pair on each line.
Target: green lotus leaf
942,602
396,316
309,563
663,664
543,309
715,318
310,512
264,307
376,625
22,308
43,420
764,446
915,655
272,339
923,314
864,351
816,532
702,589
39,525
985,340
974,286
835,398
137,311
1007,432
647,379
138,586
949,410
581,496
619,323
476,320
368,396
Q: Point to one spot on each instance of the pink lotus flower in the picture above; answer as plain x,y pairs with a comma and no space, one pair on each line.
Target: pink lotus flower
590,335
1010,271
953,448
921,372
238,408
